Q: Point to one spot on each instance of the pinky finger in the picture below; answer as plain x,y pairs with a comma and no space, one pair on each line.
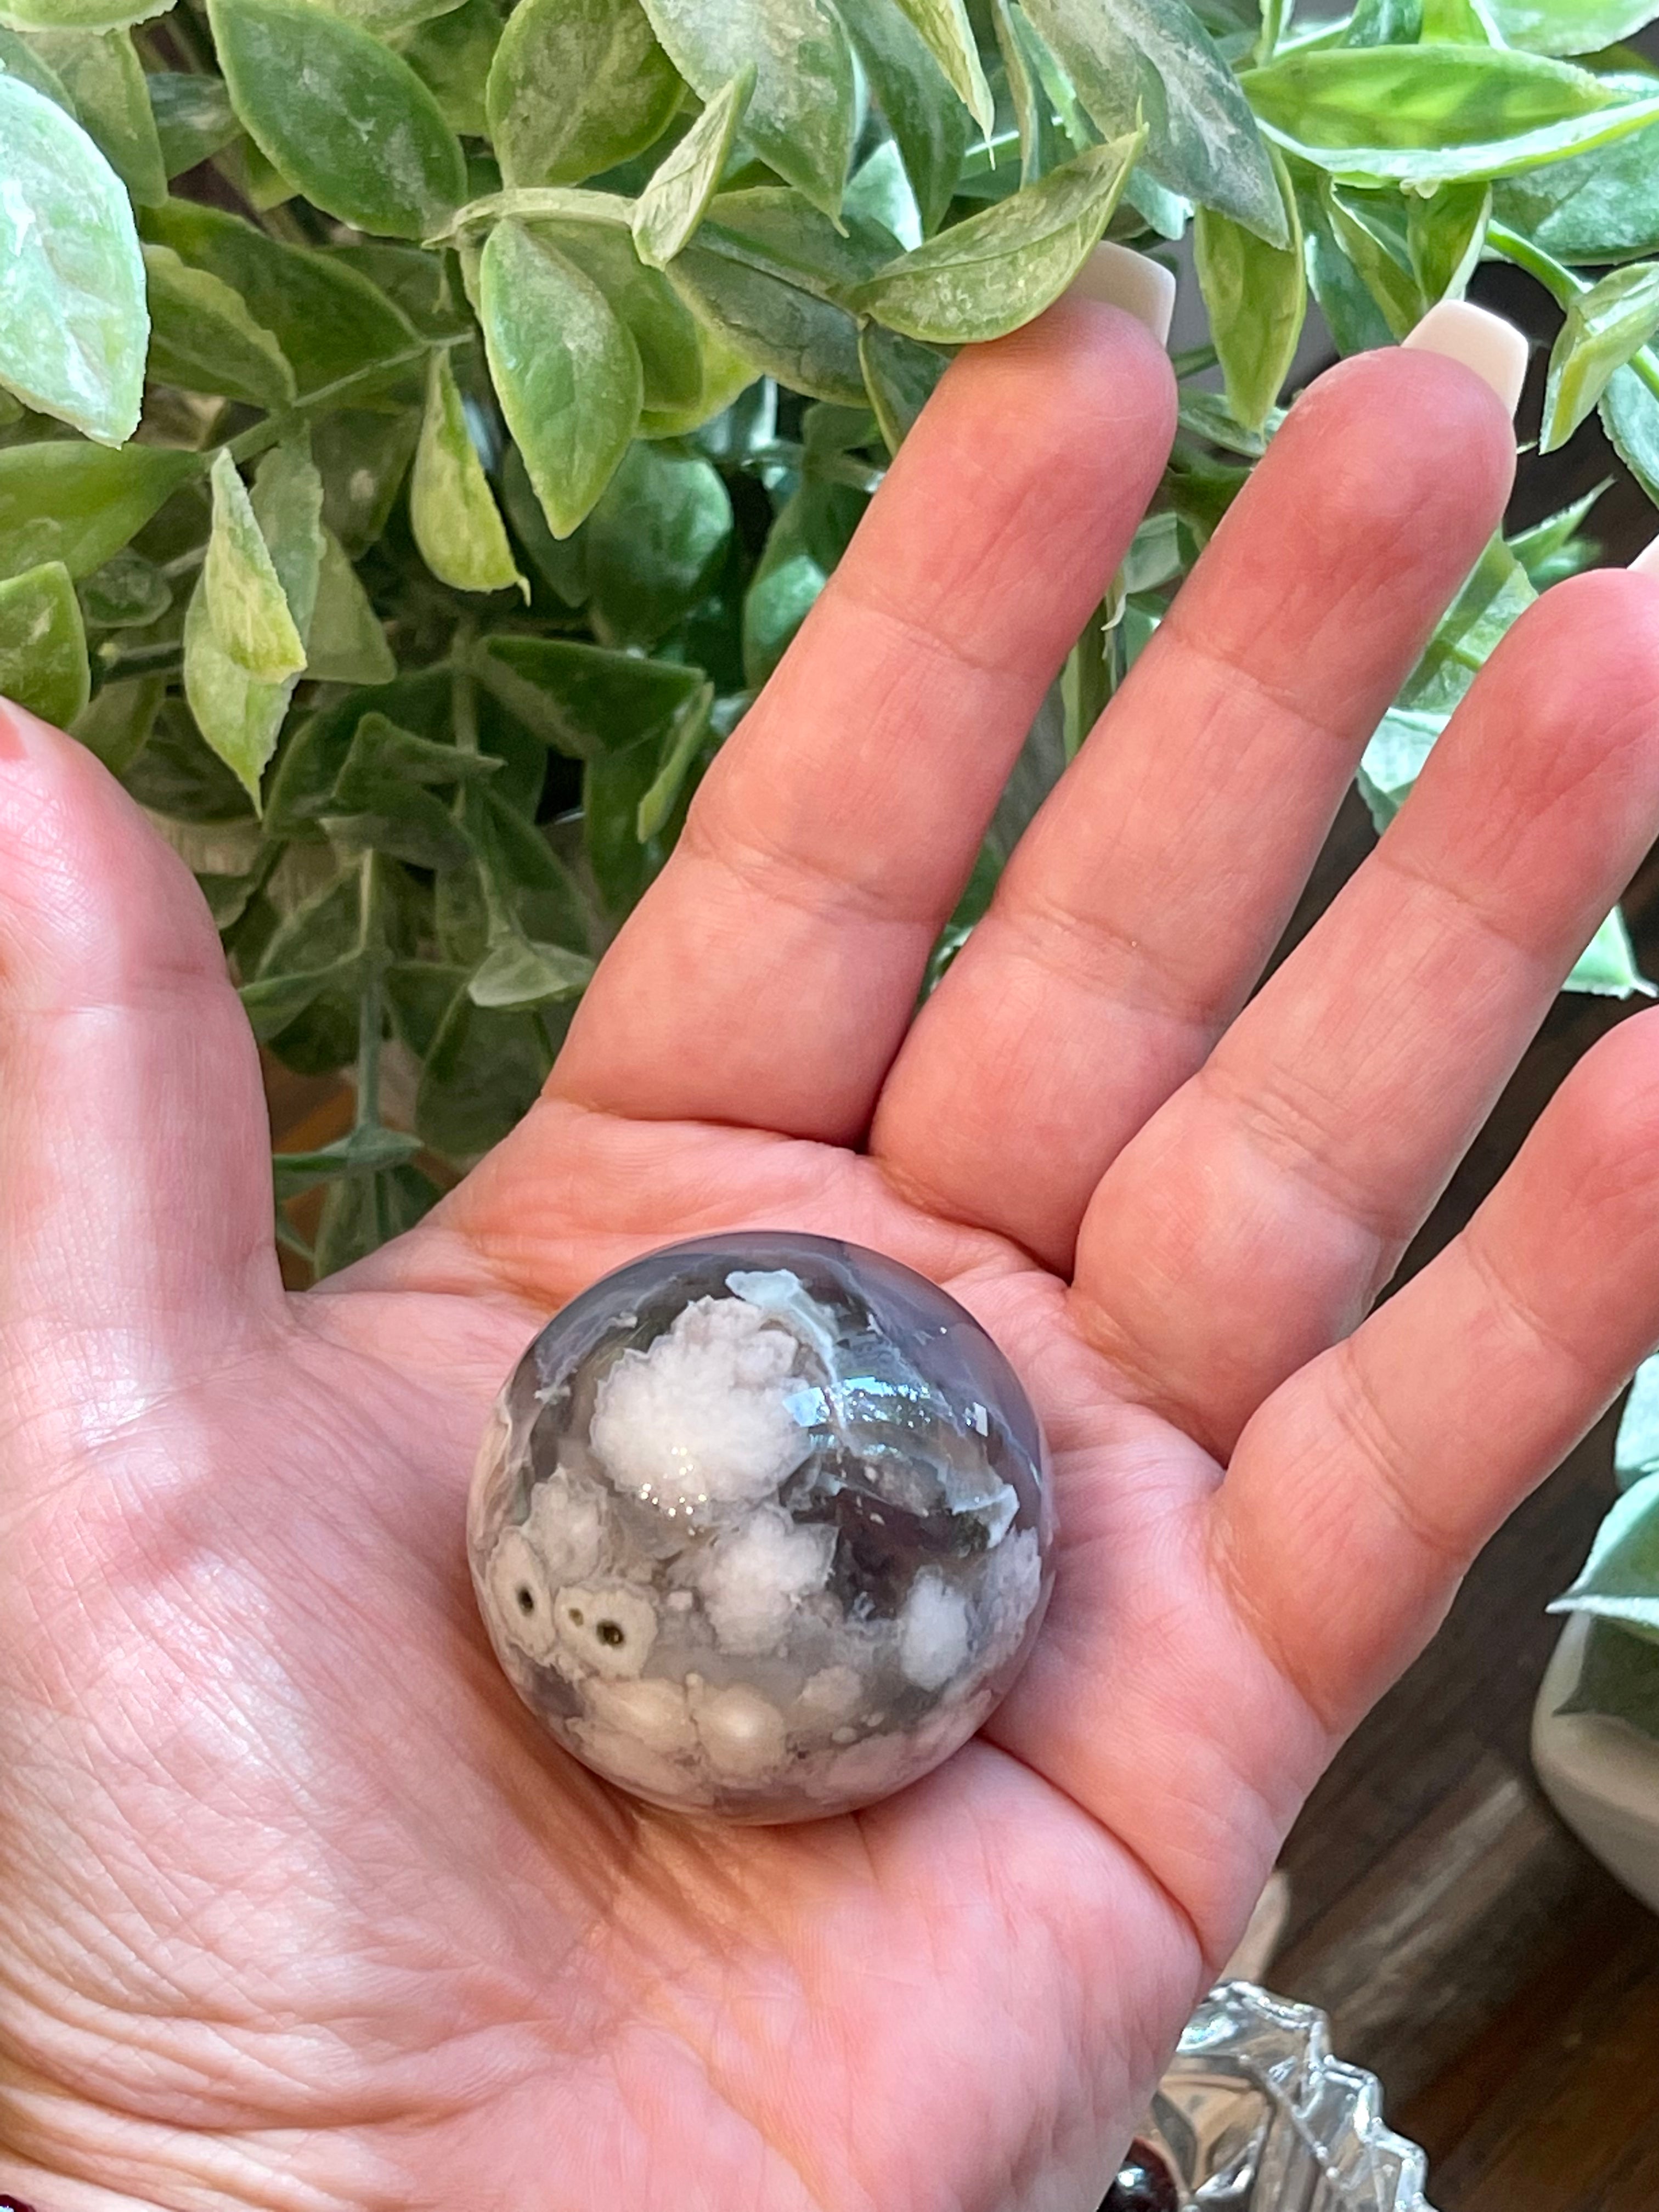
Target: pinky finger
1363,1488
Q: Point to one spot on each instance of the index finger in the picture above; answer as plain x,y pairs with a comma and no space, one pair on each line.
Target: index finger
769,975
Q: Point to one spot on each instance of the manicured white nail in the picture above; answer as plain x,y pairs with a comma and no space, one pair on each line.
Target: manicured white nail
1118,276
1494,349
1647,561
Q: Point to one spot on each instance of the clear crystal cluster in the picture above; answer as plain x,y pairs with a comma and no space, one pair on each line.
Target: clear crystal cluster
760,1527
1256,2115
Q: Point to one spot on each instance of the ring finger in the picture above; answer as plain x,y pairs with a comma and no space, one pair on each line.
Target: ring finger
1253,1220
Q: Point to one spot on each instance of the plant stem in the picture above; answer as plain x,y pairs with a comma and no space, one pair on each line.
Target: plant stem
192,41
1564,286
283,227
503,923
1275,21
1090,679
263,435
463,689
1559,282
821,468
1194,360
981,159
539,202
372,1014
163,658
289,1238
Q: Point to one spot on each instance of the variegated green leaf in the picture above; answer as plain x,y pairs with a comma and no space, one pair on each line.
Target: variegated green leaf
985,277
566,372
43,645
74,326
452,510
673,203
803,111
251,616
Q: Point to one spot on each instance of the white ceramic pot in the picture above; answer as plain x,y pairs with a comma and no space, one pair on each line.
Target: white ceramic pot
1602,1776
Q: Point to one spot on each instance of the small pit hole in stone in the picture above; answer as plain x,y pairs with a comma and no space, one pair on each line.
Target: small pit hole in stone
576,1616
526,1598
611,1633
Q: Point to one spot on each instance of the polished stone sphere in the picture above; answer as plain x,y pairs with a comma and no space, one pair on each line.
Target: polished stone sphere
761,1526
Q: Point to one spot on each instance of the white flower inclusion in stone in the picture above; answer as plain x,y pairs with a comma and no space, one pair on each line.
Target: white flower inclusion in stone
742,1733
566,1528
753,1578
759,1528
933,1631
703,1417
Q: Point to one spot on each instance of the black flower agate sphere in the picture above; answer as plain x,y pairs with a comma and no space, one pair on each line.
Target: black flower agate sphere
761,1526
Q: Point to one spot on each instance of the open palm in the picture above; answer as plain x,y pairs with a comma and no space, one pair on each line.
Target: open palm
297,1908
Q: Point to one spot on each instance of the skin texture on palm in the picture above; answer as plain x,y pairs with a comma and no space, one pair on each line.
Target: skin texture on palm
297,1907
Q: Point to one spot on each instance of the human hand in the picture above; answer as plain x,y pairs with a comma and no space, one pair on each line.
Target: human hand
297,1907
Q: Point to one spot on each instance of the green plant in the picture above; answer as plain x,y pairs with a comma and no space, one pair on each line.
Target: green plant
423,424
1619,1589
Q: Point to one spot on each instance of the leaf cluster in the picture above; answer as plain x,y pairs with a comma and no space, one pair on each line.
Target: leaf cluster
425,423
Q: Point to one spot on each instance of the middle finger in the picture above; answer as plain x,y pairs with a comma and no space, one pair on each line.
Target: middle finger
1141,906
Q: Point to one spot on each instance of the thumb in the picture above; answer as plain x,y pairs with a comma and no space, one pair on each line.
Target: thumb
135,1181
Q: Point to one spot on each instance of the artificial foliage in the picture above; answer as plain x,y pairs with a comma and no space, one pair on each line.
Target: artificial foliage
424,423
1618,1588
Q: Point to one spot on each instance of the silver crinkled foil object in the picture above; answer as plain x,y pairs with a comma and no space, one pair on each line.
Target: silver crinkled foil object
761,1526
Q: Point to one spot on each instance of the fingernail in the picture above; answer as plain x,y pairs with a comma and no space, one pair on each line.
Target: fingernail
1494,349
1118,276
1647,561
